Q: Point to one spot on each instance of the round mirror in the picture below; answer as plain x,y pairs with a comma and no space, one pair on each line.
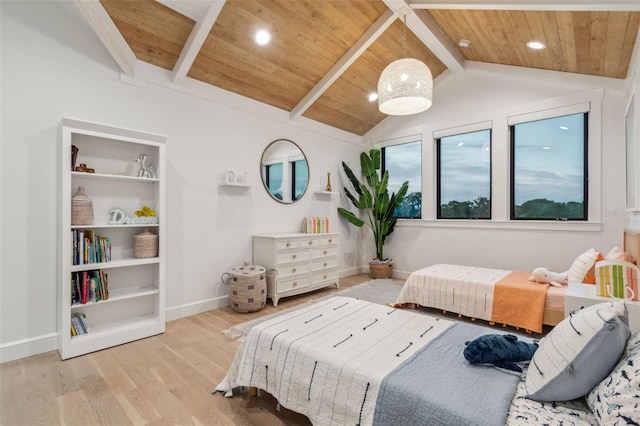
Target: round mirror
284,171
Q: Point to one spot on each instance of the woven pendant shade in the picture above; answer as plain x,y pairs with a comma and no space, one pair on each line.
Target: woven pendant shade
405,87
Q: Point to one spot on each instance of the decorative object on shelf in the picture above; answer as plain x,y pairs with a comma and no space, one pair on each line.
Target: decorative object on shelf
146,169
247,287
84,169
328,187
376,203
74,156
145,211
117,217
230,176
81,208
145,245
406,85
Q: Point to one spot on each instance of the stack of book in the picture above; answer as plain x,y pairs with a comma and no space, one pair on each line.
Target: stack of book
315,225
89,247
79,324
89,286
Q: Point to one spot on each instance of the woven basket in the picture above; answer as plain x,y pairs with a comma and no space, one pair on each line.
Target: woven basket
247,288
145,245
81,208
380,270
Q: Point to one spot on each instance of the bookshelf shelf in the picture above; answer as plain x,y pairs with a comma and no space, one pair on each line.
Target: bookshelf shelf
128,300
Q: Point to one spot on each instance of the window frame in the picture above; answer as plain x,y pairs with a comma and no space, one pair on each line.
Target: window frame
405,141
548,115
438,141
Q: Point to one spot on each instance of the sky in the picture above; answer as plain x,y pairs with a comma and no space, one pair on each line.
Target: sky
549,162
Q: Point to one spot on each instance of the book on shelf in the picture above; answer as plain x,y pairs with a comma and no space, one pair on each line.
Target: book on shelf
79,324
89,286
88,247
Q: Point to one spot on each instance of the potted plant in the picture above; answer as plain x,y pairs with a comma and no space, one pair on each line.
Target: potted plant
373,201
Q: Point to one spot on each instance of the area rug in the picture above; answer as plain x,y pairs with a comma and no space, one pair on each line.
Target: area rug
381,291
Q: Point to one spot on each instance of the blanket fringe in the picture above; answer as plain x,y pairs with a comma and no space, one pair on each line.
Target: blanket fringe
230,332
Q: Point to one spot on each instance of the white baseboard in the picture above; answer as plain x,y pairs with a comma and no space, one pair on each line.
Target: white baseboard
28,347
195,308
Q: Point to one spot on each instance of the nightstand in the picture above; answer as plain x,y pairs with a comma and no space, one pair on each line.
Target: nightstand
580,296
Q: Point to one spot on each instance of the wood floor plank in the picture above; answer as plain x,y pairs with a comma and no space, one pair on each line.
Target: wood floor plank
157,381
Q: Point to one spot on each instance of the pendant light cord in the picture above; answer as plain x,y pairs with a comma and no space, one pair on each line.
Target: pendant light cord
404,38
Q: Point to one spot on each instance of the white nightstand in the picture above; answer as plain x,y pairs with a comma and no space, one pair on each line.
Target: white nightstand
580,296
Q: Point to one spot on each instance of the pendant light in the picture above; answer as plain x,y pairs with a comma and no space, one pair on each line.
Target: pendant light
405,86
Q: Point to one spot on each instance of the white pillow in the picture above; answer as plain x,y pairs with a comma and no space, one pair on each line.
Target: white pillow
581,265
578,353
616,399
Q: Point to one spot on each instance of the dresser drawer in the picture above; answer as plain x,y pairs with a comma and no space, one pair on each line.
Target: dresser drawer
310,242
327,275
319,265
324,252
285,257
287,244
329,240
287,271
289,284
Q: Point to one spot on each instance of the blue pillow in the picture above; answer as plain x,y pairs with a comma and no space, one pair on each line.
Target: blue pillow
578,353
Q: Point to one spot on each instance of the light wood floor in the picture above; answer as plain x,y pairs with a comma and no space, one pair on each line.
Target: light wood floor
161,380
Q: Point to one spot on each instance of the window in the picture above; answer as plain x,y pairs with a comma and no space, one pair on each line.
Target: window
300,173
464,175
273,179
404,163
549,168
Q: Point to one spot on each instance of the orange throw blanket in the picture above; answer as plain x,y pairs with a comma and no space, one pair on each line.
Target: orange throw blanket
519,302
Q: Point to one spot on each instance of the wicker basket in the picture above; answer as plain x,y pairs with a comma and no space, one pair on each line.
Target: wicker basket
247,287
382,270
81,208
145,245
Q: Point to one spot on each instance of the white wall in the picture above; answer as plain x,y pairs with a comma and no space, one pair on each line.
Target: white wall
53,66
491,93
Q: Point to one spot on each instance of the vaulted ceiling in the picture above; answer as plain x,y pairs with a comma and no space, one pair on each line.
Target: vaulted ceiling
326,56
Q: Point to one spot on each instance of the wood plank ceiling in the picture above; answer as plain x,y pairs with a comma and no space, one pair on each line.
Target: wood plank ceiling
325,56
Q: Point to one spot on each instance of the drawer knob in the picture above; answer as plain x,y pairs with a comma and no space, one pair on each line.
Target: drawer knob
325,264
326,251
293,257
295,283
294,269
310,243
325,276
288,244
330,240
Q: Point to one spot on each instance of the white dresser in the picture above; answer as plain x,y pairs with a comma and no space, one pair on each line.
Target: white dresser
302,262
580,296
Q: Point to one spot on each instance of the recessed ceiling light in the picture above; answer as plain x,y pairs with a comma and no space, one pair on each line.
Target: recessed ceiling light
262,37
464,43
564,128
536,45
546,147
373,96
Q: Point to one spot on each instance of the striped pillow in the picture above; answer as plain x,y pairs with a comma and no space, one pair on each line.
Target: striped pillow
582,269
578,353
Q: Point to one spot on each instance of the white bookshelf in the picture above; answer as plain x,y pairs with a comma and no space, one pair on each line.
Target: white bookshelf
135,307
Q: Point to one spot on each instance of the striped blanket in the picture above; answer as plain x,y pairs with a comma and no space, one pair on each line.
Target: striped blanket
502,296
332,361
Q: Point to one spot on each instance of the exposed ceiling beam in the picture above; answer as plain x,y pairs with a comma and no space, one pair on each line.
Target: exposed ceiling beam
429,33
103,25
195,41
378,27
575,5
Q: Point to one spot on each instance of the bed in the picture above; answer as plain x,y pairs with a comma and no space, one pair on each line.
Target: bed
503,296
347,361
494,295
